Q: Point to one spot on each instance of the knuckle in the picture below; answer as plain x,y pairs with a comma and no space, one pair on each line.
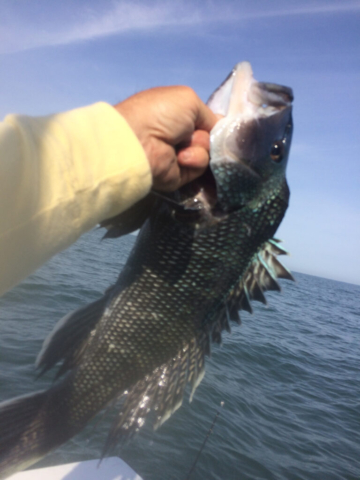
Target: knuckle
188,92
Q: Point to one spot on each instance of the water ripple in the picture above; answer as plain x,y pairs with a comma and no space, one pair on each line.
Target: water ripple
289,377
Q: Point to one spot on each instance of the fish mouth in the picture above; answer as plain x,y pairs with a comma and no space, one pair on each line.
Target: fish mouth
241,95
270,98
245,104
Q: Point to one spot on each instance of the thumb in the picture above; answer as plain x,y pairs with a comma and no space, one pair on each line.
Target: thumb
206,118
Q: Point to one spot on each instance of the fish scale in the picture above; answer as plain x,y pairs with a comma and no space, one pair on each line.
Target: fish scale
171,316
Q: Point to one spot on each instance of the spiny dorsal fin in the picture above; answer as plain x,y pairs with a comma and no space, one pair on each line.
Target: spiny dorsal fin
273,246
233,313
267,278
260,276
280,270
244,300
256,291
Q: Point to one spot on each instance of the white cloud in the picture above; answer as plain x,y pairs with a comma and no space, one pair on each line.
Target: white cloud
126,16
121,17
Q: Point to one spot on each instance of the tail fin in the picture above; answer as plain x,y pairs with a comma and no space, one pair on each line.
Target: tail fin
27,433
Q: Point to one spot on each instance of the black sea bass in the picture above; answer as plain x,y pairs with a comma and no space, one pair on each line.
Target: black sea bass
202,254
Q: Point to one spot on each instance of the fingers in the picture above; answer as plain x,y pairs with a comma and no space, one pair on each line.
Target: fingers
194,158
196,153
161,118
164,167
206,118
190,162
187,175
193,165
200,138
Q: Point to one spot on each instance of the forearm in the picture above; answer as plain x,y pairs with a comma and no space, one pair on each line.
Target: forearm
87,166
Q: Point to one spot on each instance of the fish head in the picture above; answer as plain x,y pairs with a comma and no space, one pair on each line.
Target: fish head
250,145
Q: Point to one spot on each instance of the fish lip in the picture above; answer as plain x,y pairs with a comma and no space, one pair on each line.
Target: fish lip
275,95
241,94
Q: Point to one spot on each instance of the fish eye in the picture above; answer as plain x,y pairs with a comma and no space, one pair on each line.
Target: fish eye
277,152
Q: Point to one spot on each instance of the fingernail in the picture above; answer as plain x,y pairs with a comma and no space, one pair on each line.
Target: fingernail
185,156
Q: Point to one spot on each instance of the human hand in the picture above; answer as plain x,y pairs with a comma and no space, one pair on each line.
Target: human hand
173,126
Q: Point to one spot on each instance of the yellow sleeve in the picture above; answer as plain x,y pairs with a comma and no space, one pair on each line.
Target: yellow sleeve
61,175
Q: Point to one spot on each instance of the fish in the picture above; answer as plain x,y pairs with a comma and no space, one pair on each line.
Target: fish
202,254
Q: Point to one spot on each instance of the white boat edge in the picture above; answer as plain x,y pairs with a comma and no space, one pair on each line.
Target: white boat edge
112,468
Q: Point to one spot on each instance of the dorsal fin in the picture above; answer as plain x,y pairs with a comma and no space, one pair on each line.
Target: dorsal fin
260,276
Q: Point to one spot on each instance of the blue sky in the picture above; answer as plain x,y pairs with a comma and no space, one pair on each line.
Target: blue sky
56,56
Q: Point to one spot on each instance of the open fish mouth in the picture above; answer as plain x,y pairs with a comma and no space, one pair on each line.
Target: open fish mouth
257,123
241,94
255,115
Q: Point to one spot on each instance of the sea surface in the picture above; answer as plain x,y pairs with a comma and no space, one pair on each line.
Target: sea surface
289,377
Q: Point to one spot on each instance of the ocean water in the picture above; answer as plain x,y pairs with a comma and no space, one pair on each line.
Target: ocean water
289,377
